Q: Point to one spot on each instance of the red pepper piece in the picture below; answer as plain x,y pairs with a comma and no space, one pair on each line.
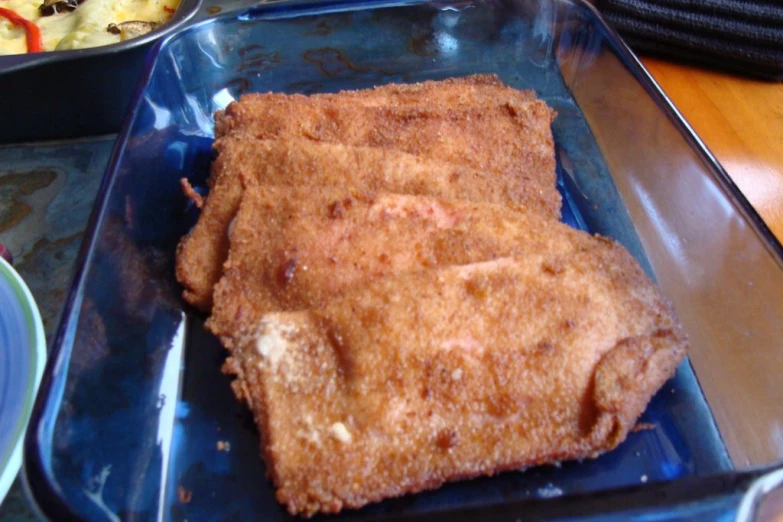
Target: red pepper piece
32,33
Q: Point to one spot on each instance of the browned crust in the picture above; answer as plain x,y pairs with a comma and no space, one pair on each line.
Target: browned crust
474,90
475,122
503,137
420,412
322,243
190,193
249,162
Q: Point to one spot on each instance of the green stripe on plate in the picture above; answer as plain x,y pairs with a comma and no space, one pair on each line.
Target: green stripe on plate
33,323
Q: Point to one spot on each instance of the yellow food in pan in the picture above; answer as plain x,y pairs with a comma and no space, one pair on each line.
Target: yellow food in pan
70,24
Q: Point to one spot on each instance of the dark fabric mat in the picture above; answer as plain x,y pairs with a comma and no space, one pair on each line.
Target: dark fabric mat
728,34
768,12
711,24
713,61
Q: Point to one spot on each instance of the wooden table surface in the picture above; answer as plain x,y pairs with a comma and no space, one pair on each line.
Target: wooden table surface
741,121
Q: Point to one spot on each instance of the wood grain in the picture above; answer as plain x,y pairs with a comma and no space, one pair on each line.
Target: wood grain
741,122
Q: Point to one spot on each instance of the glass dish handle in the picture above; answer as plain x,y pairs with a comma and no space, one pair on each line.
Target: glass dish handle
764,500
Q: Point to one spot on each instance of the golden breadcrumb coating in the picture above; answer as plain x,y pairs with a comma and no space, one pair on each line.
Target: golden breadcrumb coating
413,380
292,248
468,91
249,162
475,122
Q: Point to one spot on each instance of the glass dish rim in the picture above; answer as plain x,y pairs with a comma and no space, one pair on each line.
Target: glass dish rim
47,499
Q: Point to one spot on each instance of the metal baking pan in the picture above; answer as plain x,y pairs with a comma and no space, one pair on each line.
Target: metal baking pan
82,92
133,406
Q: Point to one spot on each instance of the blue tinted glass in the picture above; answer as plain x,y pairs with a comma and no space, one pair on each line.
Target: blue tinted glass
139,405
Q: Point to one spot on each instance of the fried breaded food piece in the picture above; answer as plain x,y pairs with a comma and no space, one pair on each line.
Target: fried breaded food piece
411,381
294,248
493,129
298,162
249,162
468,91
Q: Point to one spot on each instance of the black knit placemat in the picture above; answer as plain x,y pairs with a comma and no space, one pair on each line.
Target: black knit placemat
741,36
770,11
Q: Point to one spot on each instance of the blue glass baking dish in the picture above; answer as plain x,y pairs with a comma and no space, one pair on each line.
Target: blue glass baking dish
133,416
